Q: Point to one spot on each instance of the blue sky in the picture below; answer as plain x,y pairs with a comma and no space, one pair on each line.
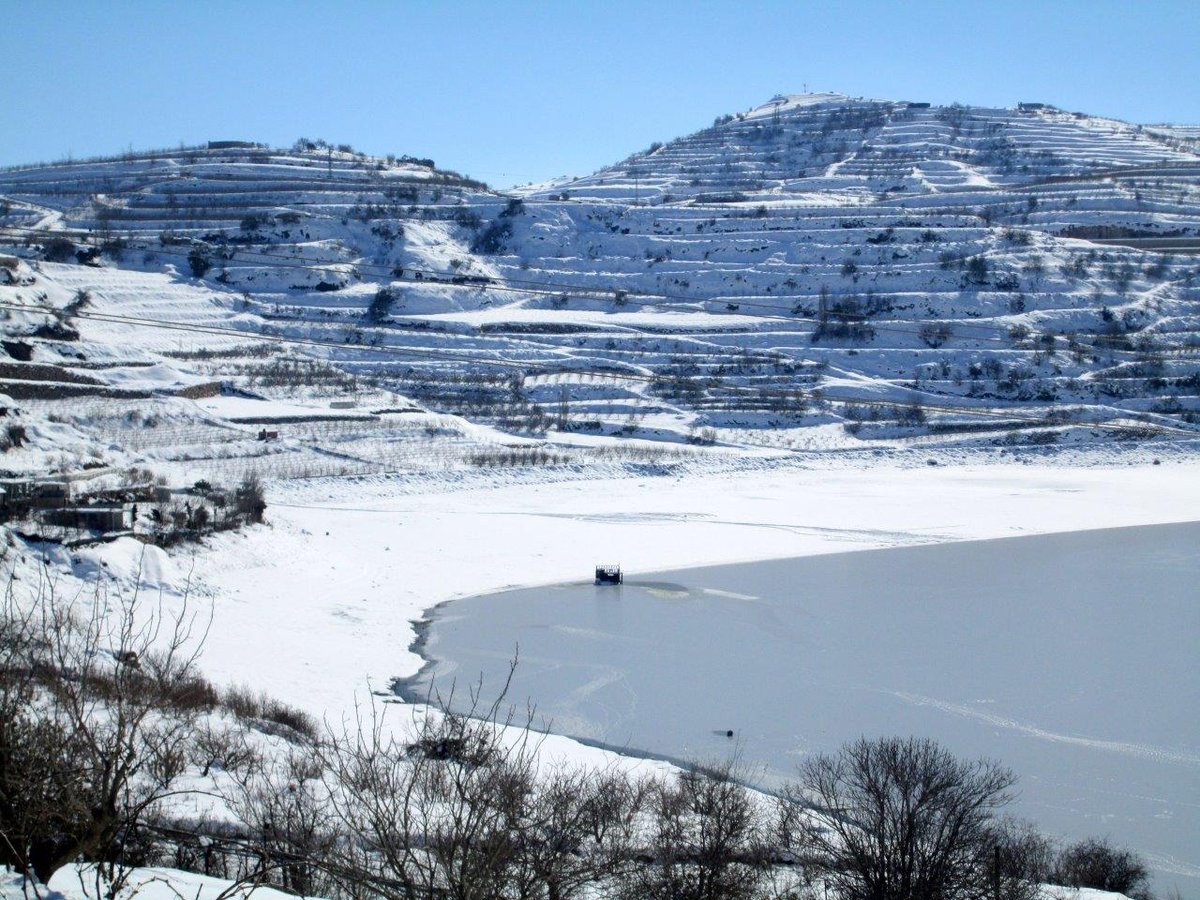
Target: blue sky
516,91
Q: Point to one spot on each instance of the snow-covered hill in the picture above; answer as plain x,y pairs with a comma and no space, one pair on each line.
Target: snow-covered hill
819,272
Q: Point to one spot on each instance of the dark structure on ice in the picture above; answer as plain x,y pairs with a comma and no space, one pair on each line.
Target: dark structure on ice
609,575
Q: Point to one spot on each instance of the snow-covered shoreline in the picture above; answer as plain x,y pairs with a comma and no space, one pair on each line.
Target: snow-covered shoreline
320,604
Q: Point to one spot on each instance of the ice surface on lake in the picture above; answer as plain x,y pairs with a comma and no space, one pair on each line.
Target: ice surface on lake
1073,658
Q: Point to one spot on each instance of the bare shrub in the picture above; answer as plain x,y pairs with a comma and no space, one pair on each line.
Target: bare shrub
257,707
903,819
708,840
459,808
14,435
224,748
189,693
250,498
58,249
1024,860
1095,863
296,720
242,701
934,335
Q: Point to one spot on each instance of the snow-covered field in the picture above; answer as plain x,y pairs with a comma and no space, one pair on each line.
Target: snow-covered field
319,604
76,883
172,884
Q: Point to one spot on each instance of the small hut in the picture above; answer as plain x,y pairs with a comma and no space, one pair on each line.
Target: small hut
608,574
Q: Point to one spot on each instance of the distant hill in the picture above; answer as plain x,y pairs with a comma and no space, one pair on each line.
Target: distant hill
875,273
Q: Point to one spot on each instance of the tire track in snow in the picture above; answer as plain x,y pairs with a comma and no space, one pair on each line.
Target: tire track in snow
1144,751
1171,865
852,535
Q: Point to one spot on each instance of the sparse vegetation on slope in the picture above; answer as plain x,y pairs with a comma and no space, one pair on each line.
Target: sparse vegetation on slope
999,263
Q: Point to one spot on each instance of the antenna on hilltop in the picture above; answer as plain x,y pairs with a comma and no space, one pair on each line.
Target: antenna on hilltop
806,87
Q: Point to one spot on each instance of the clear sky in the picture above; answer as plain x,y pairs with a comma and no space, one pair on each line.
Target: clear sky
511,92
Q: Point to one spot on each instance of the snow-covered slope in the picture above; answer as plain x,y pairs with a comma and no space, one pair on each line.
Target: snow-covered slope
820,271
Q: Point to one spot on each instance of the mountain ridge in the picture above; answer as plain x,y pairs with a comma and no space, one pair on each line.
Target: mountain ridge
865,271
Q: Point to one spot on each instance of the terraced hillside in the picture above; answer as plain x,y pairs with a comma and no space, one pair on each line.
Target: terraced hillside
819,273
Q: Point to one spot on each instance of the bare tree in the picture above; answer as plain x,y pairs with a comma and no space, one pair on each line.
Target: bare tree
286,813
460,807
423,816
577,829
708,840
1023,860
249,498
903,819
98,697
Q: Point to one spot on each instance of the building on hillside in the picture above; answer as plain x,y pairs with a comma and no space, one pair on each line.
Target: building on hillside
37,493
25,494
88,518
21,496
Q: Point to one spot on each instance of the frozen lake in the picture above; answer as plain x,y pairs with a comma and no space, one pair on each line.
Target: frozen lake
1072,658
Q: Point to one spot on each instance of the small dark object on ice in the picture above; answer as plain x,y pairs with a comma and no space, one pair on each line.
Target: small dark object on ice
609,575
